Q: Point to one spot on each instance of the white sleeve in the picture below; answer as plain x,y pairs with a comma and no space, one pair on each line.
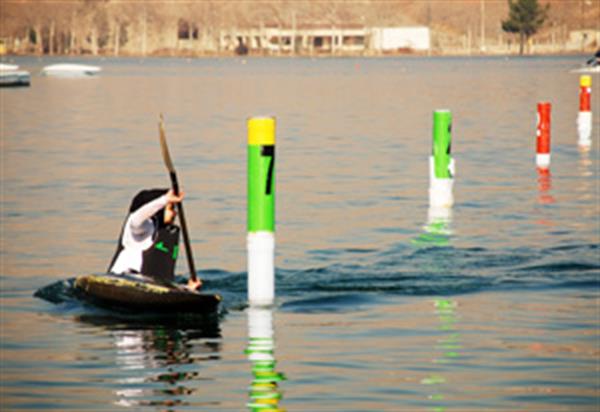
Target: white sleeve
137,218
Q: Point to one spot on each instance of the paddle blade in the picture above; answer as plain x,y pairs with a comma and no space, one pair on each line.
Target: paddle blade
163,146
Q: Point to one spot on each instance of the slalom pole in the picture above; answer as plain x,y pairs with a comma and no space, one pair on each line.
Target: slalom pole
584,118
261,210
542,158
441,163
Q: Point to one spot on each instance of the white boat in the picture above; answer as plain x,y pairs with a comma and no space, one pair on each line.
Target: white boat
70,70
587,69
8,67
14,78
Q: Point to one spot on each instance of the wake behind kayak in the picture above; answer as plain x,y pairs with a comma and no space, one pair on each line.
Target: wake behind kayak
133,293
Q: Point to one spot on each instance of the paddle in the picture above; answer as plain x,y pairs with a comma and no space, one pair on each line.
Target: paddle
175,185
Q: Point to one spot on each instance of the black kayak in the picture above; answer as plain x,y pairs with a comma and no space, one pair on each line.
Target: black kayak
140,293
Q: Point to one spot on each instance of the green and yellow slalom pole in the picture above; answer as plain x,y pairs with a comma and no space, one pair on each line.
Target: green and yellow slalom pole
261,210
441,163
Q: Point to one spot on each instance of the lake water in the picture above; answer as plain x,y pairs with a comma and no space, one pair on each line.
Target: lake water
496,307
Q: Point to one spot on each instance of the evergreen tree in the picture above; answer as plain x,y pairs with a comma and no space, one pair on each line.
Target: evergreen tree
524,17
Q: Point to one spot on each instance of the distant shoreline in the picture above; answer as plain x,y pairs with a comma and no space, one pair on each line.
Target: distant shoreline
313,56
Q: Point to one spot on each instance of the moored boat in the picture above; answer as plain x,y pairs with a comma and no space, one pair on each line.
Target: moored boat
4,66
70,70
14,78
587,69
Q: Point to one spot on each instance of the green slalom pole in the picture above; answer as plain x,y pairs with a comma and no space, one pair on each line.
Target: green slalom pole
441,164
261,210
261,174
442,142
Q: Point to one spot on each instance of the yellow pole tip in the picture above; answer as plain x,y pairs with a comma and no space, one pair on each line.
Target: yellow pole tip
261,130
585,81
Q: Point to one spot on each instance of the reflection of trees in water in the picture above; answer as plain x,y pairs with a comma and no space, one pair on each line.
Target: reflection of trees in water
158,364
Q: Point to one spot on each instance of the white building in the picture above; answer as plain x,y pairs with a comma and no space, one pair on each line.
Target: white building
396,38
328,39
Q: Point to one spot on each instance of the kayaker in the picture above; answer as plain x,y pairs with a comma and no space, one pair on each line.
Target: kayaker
149,241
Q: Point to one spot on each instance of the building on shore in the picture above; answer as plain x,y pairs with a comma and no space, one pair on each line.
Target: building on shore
319,40
417,38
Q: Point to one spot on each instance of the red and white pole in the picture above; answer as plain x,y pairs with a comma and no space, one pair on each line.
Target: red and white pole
542,158
584,119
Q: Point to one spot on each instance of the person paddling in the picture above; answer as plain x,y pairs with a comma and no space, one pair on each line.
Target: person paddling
149,240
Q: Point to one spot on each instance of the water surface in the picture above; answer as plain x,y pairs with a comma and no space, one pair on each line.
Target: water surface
380,306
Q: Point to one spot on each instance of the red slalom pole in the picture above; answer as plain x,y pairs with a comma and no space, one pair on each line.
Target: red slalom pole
542,158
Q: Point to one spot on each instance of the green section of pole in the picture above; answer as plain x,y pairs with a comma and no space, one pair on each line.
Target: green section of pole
442,141
261,174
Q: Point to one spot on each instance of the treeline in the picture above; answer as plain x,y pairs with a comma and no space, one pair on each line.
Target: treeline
146,27
94,26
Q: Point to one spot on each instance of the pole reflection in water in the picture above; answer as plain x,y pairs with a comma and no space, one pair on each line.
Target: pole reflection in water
437,229
586,189
448,347
587,186
438,232
158,366
544,187
264,390
585,164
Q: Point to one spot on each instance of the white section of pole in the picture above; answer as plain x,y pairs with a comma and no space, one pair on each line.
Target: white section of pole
584,129
261,268
542,160
440,190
